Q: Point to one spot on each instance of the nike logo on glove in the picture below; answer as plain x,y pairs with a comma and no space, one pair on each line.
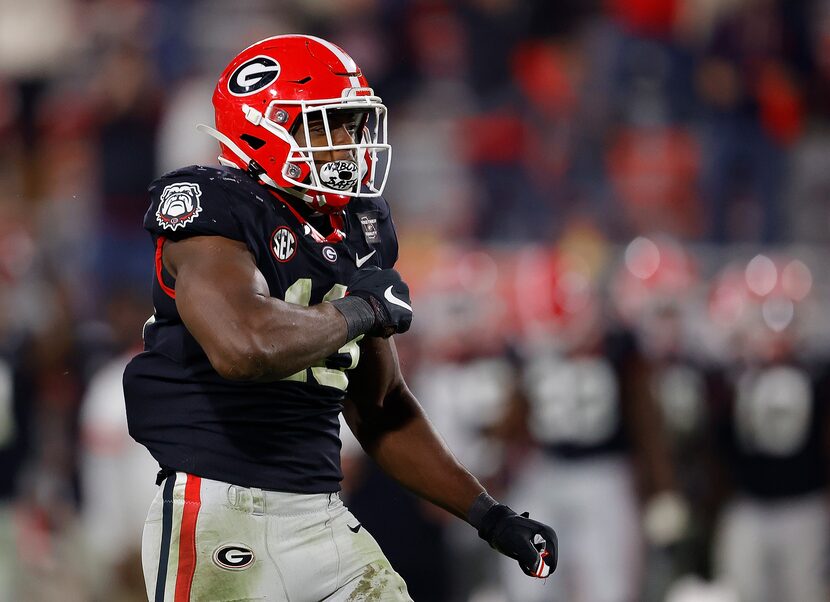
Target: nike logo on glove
359,261
543,569
387,294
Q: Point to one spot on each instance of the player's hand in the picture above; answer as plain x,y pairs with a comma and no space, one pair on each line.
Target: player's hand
531,543
388,295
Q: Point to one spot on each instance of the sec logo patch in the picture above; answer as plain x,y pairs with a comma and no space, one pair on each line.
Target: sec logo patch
283,244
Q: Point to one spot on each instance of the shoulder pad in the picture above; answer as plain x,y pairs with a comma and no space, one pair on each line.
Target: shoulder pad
197,200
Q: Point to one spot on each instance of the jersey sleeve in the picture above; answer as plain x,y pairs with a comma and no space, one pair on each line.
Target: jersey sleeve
191,202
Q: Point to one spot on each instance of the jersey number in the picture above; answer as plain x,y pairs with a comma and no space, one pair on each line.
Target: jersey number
774,411
572,402
346,357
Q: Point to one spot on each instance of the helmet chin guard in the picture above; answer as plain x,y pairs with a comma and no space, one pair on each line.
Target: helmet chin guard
326,202
271,98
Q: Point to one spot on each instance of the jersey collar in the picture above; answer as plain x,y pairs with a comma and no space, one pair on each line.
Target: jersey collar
337,223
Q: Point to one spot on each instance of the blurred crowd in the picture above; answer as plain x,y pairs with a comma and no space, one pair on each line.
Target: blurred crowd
614,215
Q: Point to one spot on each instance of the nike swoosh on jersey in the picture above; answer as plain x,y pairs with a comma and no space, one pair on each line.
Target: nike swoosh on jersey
387,294
354,529
361,260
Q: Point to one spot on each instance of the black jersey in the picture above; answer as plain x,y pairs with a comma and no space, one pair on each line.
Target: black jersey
282,435
16,411
771,429
577,403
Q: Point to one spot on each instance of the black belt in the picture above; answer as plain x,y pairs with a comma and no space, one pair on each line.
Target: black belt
162,475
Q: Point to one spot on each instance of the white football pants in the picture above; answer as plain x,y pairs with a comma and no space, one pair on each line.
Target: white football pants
207,540
771,551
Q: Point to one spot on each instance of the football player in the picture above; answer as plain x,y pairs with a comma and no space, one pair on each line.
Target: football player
17,418
771,423
584,402
275,301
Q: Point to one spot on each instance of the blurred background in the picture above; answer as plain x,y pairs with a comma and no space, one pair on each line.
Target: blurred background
614,216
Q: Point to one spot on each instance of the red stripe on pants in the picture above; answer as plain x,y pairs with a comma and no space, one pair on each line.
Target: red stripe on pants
187,539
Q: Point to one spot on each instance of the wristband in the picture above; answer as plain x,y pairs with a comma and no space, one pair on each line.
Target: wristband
482,504
358,313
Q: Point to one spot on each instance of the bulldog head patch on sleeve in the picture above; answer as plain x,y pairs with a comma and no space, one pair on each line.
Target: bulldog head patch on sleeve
178,205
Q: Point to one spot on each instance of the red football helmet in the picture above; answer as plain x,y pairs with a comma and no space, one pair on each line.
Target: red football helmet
274,90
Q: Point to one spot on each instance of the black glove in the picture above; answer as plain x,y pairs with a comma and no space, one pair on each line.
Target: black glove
531,543
389,310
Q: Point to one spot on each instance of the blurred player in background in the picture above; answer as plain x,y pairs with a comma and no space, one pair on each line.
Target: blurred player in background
112,516
771,420
275,300
599,435
16,416
656,292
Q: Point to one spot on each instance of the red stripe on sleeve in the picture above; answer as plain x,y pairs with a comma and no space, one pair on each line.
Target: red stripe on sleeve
159,248
187,539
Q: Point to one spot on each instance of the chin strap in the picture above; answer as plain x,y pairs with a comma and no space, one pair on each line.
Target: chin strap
255,170
336,219
251,166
